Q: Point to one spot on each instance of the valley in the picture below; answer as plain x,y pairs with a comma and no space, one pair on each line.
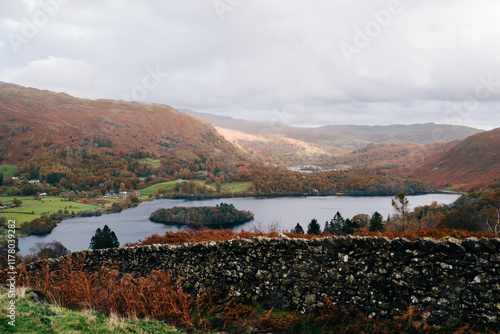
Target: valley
90,151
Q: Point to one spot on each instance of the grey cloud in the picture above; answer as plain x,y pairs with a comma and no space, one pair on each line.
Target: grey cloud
247,59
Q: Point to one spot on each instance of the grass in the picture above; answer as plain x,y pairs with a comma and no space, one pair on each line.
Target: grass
5,193
233,187
41,317
7,170
153,162
32,208
152,189
237,187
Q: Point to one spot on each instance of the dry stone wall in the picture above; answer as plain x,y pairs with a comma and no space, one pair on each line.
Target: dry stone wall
445,279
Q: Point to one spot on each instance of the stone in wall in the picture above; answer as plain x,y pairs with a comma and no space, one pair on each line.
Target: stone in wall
445,279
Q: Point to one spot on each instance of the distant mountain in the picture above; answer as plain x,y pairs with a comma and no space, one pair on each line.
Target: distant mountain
293,145
398,157
464,163
33,120
398,133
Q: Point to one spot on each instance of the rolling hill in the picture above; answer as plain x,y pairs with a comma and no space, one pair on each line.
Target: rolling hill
464,164
33,120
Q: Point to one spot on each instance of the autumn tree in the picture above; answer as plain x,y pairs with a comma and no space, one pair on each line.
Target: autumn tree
17,202
45,250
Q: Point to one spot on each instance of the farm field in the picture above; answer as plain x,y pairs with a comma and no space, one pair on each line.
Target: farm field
32,208
236,187
232,187
152,189
7,170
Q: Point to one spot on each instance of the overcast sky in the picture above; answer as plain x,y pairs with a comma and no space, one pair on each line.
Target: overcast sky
310,62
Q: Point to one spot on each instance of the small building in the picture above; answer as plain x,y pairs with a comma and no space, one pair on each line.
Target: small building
128,194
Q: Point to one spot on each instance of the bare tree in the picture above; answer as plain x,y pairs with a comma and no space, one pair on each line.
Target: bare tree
493,221
401,204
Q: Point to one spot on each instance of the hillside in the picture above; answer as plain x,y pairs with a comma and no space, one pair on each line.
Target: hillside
328,145
33,120
392,156
400,133
465,163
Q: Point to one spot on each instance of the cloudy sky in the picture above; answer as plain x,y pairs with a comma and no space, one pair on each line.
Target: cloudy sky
307,62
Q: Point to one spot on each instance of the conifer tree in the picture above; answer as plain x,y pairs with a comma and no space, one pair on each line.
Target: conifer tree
337,223
376,223
104,238
297,229
327,228
350,226
314,227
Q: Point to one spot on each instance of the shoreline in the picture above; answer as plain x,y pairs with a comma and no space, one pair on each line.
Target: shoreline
198,198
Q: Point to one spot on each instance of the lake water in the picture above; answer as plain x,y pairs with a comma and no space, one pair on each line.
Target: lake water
133,224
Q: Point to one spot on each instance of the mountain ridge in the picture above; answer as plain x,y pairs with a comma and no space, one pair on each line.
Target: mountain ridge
33,120
419,132
464,164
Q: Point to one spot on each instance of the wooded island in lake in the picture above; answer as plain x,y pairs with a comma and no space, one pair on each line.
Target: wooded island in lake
223,214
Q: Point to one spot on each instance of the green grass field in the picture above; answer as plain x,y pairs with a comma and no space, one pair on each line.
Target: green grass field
237,187
152,189
7,170
37,317
233,187
32,208
153,162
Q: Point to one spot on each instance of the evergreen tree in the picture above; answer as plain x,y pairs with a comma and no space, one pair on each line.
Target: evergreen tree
104,238
297,229
376,223
350,226
314,227
327,228
1,179
337,223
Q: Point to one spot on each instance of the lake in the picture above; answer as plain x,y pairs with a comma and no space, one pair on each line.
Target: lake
285,212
